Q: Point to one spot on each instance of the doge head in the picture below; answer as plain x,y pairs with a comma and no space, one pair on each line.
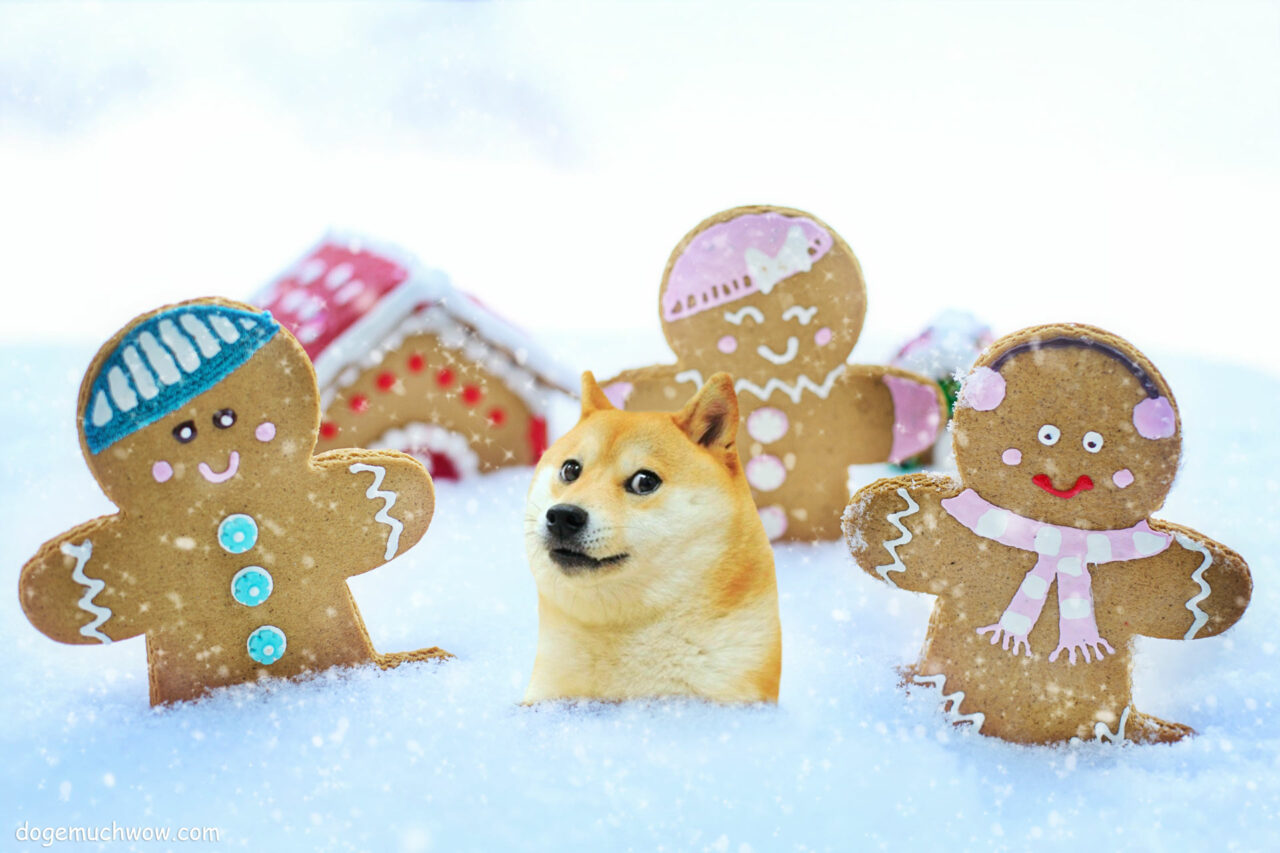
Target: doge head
629,511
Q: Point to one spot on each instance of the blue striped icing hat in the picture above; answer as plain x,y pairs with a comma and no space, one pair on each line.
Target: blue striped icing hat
167,360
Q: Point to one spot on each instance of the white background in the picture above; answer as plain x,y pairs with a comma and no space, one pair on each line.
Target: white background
1109,163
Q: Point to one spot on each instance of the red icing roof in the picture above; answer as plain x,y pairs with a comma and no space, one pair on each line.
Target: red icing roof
329,289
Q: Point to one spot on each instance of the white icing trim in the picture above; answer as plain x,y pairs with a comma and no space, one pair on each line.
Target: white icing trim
100,614
793,391
1103,734
159,359
736,317
208,344
121,393
180,345
804,314
367,334
793,347
895,518
389,500
410,436
953,700
1193,603
423,284
804,383
436,319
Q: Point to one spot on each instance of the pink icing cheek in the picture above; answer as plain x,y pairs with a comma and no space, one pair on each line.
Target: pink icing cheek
265,431
1012,456
822,337
162,471
727,344
1123,478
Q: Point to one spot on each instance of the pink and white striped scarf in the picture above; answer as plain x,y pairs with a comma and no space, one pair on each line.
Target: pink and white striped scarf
1065,554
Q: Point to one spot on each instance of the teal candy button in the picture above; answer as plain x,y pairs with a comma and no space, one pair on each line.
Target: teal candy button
266,645
237,533
251,586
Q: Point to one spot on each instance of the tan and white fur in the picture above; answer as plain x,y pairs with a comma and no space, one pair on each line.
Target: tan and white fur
654,573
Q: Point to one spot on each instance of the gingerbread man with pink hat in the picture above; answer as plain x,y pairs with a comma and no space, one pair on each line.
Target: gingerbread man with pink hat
776,298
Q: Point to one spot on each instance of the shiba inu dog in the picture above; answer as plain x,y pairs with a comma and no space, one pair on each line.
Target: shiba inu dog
654,572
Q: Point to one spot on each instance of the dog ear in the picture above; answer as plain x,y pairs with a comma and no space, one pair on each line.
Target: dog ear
711,417
593,399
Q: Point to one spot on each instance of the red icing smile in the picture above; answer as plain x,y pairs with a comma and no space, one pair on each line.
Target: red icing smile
1083,484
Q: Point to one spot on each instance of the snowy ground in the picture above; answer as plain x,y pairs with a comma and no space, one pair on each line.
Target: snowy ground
442,757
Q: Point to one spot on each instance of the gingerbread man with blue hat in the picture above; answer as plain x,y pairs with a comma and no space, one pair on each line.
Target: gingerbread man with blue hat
232,546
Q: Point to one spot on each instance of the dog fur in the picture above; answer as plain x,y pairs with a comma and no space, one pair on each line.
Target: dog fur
676,593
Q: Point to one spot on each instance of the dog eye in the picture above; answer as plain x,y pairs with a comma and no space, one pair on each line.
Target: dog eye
224,418
570,470
643,483
1049,435
185,431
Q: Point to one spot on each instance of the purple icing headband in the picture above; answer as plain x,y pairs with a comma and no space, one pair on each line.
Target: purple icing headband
1154,418
749,253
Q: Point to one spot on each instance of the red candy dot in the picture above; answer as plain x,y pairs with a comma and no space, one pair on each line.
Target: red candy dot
386,380
444,378
417,362
329,429
359,403
471,395
497,417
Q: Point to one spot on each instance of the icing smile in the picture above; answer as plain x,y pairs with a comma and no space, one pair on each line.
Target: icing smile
793,347
233,464
1083,484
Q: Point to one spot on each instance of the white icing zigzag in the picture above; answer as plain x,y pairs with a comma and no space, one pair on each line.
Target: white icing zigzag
793,391
375,491
1104,735
953,701
1193,604
82,553
892,547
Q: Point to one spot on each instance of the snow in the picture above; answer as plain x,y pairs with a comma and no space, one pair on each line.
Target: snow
442,757
1031,163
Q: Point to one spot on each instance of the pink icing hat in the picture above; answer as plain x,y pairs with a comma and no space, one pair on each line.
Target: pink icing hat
749,253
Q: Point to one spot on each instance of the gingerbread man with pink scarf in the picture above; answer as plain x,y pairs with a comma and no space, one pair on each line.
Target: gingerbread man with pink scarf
1044,558
775,297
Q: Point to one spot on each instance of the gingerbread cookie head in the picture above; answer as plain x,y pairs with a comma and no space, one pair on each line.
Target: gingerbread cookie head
763,290
1069,425
166,412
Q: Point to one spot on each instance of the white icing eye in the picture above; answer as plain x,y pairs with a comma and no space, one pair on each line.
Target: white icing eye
1092,441
1049,435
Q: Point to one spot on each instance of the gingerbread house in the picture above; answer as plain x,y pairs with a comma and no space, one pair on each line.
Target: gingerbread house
405,361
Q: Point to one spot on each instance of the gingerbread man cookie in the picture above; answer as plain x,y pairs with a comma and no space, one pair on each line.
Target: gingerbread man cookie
1043,557
232,546
774,297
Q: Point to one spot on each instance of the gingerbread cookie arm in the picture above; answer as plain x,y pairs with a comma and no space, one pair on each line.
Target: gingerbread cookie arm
898,531
1194,588
392,502
895,414
651,389
77,588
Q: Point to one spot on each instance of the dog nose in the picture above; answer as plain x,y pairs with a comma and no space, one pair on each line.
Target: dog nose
566,520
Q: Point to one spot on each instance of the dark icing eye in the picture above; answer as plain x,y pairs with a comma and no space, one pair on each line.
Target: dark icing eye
643,483
570,470
185,432
1049,435
1092,441
224,418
